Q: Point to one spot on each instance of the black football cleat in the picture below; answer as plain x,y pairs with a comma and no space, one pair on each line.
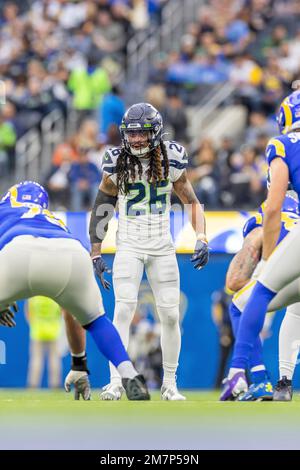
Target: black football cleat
283,391
136,388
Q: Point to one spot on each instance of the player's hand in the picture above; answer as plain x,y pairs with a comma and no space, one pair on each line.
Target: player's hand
100,267
201,254
80,380
7,316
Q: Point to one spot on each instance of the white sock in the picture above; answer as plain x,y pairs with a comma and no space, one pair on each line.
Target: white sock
169,374
170,342
233,371
123,315
126,370
258,368
289,341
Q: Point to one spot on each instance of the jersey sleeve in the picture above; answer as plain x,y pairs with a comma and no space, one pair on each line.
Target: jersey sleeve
252,223
178,159
275,149
109,163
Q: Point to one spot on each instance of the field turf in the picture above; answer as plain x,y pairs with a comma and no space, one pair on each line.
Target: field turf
52,420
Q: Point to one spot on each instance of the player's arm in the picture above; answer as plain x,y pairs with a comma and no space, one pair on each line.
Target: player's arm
186,194
274,202
245,261
75,334
102,212
78,375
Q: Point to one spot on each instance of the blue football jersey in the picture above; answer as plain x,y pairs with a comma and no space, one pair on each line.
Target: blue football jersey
289,217
287,147
28,219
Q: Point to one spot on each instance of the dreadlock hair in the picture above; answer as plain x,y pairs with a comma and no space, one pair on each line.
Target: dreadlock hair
127,163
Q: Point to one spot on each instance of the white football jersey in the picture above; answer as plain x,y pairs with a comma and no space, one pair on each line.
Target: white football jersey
144,213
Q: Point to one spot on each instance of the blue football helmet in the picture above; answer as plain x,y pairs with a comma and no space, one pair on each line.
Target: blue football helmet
290,204
141,117
27,192
288,117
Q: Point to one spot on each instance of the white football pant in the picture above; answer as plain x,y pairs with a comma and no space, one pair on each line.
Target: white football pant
59,268
163,276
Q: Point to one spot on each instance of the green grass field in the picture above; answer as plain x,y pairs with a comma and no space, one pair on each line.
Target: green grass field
52,420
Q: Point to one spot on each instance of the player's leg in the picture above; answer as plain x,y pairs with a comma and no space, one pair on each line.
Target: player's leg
14,268
54,364
288,295
128,270
14,285
261,387
256,365
281,269
35,364
80,295
289,343
163,276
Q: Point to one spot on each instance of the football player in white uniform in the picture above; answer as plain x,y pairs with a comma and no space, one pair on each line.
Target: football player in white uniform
140,176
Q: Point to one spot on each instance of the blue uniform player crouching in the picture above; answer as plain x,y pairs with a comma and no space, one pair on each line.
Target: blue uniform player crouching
39,256
241,278
279,276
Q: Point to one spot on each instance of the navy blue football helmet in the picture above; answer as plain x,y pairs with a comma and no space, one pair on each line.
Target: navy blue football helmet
27,192
141,117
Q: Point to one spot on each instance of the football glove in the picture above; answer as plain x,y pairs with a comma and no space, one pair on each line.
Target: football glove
80,380
201,254
100,267
7,315
79,377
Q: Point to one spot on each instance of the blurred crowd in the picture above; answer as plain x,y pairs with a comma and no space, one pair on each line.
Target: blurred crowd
57,54
62,54
253,44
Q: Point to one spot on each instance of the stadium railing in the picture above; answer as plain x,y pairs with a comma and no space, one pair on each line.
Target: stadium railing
204,110
143,47
34,149
28,149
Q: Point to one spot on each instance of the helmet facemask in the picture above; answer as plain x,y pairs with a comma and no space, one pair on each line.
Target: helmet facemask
134,140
